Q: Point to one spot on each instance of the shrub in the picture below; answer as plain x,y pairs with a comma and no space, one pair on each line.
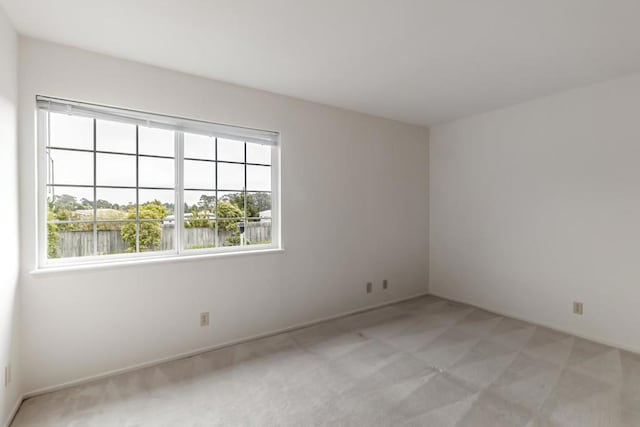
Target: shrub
52,236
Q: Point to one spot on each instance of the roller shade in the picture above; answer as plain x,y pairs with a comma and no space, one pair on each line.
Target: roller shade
139,118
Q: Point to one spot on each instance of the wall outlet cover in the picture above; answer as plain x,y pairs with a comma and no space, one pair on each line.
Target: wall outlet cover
577,308
204,319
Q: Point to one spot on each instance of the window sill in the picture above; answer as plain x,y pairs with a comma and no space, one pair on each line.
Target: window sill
55,269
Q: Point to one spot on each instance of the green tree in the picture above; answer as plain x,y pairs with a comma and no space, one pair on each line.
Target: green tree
103,204
228,212
150,236
207,202
256,202
65,202
261,200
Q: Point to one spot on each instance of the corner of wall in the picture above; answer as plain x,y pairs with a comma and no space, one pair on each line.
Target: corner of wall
10,292
428,184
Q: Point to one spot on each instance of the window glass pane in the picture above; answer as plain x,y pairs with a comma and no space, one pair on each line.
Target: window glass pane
163,201
230,176
199,201
230,232
230,150
116,209
115,136
157,229
258,153
199,147
199,233
70,226
259,205
156,236
230,215
199,215
70,131
157,142
232,200
156,172
115,170
258,232
199,175
258,178
69,240
70,203
115,203
116,237
69,167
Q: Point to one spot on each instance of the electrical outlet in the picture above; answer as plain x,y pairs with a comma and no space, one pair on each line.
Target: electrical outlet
369,287
7,375
204,319
577,308
385,284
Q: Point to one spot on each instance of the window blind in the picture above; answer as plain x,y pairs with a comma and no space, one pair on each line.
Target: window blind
156,120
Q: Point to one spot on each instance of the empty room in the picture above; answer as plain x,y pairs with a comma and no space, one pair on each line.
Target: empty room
320,213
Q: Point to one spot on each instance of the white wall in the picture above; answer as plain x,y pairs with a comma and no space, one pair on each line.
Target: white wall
358,180
9,291
538,205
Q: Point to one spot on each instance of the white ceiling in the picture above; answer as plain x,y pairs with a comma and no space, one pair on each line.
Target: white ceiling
418,61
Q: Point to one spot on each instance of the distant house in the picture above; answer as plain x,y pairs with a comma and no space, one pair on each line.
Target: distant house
265,216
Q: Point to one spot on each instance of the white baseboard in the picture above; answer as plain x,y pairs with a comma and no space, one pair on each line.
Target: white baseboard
14,411
538,323
208,348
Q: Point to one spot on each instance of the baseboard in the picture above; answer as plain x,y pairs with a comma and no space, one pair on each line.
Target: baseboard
537,323
196,352
14,411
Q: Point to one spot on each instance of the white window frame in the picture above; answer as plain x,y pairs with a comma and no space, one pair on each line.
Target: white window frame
179,126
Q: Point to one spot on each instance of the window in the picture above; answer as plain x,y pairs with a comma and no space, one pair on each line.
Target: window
124,184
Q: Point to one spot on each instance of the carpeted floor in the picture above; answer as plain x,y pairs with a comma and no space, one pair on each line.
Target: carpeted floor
425,362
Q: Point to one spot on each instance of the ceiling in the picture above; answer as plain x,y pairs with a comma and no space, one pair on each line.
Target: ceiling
417,61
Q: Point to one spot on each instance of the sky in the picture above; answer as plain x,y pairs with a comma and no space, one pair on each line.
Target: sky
71,167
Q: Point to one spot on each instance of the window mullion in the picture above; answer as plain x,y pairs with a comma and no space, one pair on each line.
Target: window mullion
137,223
217,224
179,192
246,222
95,191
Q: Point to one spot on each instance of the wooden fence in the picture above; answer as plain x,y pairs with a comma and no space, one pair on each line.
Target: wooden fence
80,243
